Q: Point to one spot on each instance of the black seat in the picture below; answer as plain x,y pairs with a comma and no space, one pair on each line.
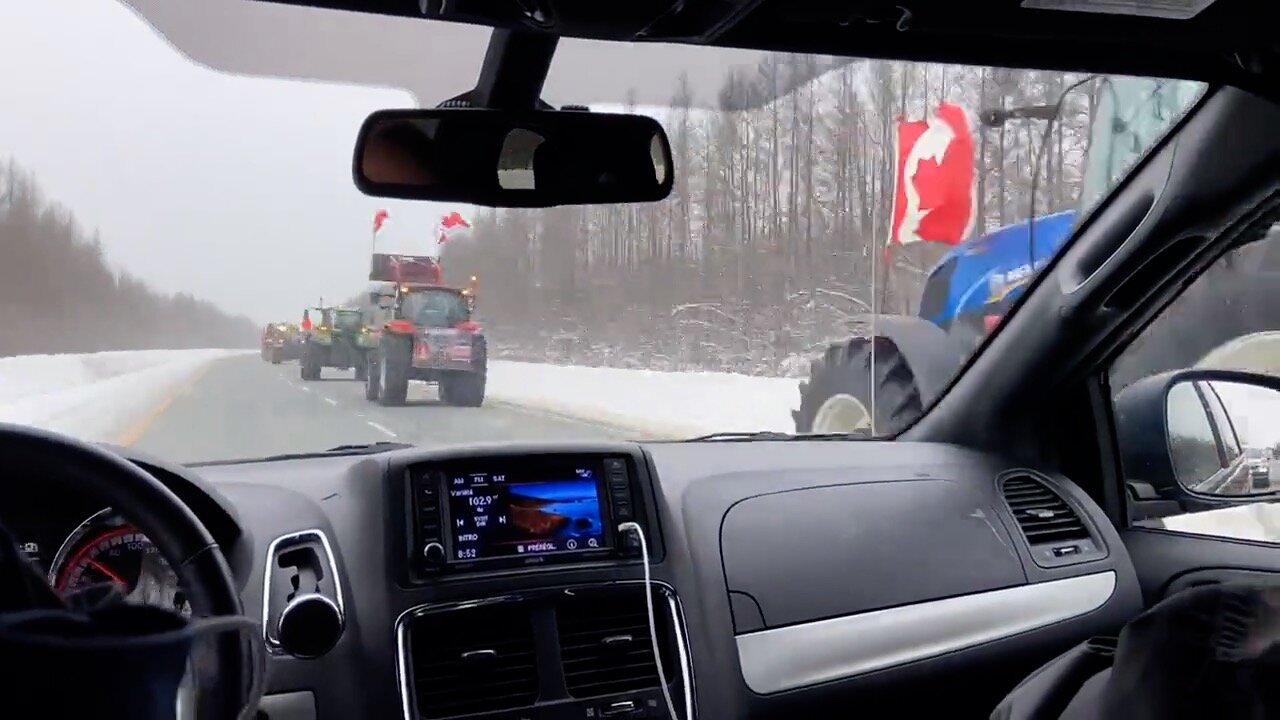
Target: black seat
1207,652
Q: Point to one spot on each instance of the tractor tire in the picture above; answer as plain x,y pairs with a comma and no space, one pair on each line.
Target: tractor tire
311,363
393,371
464,389
362,368
837,396
372,378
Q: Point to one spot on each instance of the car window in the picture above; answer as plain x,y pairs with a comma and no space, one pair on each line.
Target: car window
1220,440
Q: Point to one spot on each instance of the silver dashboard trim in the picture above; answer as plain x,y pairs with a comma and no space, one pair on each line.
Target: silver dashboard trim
273,646
796,656
402,634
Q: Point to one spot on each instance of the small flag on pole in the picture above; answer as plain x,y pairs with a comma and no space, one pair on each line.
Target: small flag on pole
452,227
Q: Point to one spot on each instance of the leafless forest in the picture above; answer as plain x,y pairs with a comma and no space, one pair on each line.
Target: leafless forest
59,294
764,250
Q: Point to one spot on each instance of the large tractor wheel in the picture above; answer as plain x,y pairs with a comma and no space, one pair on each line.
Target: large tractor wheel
310,364
362,366
838,395
372,378
393,370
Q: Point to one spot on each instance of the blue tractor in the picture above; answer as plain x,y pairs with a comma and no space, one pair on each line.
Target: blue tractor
965,295
972,287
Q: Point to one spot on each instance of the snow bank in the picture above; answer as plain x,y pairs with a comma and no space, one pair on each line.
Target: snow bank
1256,352
1259,522
96,396
648,402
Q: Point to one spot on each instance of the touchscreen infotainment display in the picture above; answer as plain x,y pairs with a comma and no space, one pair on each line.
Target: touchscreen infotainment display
505,514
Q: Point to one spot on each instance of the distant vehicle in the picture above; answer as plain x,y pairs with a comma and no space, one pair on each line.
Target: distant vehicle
277,344
340,339
1260,474
426,334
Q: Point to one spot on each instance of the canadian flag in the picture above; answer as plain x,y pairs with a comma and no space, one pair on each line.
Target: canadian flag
452,227
934,198
379,218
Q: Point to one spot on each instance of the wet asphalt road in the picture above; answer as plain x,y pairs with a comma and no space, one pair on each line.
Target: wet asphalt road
244,407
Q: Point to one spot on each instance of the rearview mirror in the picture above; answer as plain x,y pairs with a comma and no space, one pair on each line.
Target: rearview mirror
499,158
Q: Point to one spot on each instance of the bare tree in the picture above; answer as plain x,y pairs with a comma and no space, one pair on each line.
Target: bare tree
765,247
58,292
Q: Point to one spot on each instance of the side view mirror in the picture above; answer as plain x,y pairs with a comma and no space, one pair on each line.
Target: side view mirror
498,158
1199,438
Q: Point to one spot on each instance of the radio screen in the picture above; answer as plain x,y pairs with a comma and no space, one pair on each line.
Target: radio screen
495,515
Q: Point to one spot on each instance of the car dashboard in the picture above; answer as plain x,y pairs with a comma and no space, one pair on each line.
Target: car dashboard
509,581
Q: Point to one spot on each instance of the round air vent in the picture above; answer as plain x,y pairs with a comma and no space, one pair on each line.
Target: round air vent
309,626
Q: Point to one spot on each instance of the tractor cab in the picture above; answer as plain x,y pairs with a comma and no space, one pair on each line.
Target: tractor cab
411,288
426,333
434,306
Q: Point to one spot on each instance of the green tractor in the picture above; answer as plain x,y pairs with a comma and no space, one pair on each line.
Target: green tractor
340,339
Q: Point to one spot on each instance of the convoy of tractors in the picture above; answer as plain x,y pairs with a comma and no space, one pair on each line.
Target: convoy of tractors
412,326
408,326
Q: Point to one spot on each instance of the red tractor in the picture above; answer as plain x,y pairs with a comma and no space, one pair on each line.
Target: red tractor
425,333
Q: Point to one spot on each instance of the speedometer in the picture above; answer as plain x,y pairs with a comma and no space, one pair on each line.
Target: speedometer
105,549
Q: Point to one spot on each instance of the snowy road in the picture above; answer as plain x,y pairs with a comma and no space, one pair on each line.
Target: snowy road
243,407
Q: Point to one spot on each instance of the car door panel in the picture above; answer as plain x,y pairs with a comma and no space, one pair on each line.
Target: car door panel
1168,561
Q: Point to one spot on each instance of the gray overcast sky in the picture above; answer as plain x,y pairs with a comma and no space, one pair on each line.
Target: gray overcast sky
236,188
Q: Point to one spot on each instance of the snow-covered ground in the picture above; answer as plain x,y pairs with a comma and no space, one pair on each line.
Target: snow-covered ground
653,404
100,396
95,396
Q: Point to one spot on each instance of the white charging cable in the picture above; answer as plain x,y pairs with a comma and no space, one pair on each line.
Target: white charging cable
653,624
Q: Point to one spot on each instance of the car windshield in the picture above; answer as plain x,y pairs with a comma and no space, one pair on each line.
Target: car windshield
820,204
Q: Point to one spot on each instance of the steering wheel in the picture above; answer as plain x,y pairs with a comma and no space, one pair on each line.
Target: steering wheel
182,540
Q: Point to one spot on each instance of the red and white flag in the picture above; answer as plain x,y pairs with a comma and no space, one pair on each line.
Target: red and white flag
379,218
934,198
452,227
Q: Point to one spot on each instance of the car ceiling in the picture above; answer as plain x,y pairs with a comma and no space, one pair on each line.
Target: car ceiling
1223,43
434,61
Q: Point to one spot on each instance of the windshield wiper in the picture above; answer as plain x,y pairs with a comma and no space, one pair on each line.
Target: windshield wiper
774,435
372,448
368,448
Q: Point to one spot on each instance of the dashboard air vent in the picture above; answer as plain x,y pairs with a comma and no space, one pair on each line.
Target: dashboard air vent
1044,517
604,641
474,660
302,608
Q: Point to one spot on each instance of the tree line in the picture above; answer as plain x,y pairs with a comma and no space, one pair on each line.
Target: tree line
59,294
768,245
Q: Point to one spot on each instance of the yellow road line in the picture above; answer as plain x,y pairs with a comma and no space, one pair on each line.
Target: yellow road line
135,431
